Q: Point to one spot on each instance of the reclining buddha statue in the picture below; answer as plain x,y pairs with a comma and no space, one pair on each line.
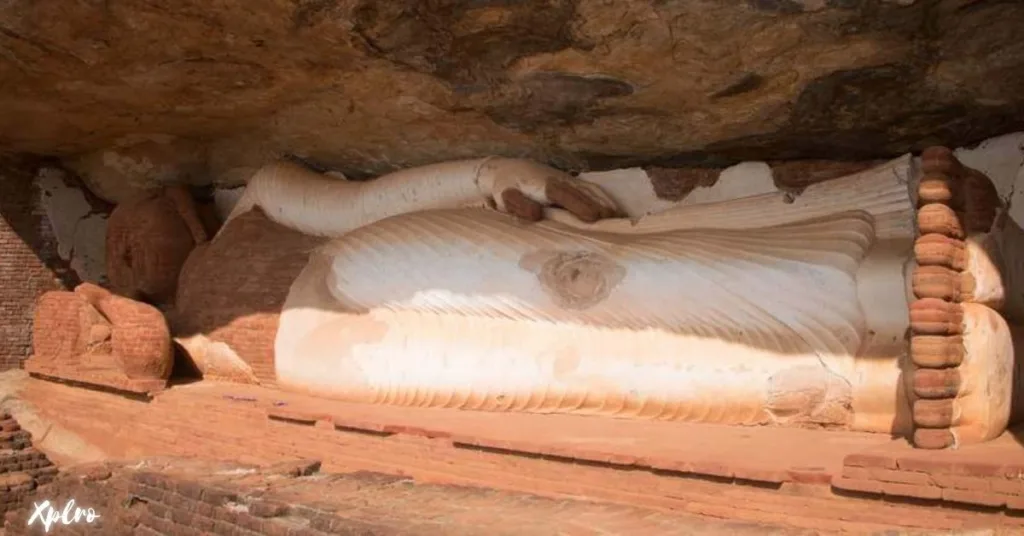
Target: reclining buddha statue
870,302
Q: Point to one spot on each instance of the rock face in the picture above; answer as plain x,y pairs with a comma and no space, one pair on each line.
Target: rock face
136,92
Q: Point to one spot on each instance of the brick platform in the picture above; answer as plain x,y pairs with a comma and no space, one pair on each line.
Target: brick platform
989,474
221,421
762,454
105,377
176,497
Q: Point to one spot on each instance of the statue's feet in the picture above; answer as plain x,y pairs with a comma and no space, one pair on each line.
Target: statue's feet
961,346
964,376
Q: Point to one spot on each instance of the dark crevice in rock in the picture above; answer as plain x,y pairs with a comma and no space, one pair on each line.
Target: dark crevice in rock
783,7
442,37
745,83
550,99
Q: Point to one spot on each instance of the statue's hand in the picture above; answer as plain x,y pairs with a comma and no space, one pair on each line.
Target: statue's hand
524,189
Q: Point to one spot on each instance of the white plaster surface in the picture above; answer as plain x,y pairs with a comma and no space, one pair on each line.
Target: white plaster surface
742,180
80,234
631,188
88,258
1000,158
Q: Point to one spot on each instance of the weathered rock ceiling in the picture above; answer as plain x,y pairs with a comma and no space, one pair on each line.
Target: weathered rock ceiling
370,85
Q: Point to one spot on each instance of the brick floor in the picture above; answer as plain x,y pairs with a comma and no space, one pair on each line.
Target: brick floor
187,497
989,474
219,421
765,454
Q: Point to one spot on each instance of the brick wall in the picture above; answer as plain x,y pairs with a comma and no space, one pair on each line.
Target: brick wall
22,467
29,262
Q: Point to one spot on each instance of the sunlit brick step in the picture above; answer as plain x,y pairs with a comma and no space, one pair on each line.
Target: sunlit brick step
101,377
988,474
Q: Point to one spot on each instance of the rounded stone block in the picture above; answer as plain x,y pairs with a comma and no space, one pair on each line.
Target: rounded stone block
62,326
141,340
933,438
935,351
932,316
940,250
937,383
148,241
935,413
941,219
936,282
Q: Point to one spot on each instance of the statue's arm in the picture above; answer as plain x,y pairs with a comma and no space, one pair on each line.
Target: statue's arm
320,205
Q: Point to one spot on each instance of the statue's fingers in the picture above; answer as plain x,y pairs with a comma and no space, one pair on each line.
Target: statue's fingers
576,200
611,208
519,205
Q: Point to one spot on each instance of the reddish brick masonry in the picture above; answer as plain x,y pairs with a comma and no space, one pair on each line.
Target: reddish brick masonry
220,421
94,337
988,474
148,240
763,454
29,262
232,289
22,467
179,497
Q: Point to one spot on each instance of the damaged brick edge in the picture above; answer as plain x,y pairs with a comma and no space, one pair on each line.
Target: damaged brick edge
154,498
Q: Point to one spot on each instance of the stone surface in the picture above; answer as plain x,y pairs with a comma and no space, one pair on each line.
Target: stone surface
79,223
60,444
763,454
230,296
140,340
172,496
133,168
234,425
127,90
148,240
742,180
632,189
988,474
92,336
